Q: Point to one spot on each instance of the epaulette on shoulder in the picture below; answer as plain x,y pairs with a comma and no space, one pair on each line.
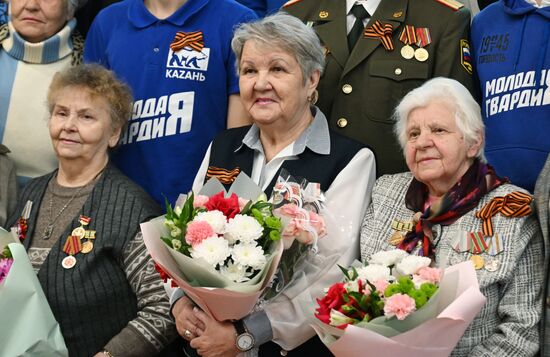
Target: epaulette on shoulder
290,3
453,4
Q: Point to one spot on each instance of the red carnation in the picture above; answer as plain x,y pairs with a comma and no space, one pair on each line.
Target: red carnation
228,206
332,300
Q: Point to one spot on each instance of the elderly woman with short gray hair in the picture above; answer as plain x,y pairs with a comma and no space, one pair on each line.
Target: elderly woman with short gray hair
460,210
38,40
280,62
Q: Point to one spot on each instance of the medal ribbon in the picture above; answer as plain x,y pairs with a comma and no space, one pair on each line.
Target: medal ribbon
423,37
191,39
72,245
478,243
408,35
515,204
84,220
381,31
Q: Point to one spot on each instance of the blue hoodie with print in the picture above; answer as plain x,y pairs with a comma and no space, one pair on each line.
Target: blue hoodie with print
510,46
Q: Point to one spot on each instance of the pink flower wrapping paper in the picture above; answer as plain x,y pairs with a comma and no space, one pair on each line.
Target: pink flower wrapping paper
436,334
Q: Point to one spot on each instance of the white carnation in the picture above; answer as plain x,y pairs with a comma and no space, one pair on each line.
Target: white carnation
388,258
249,255
411,264
235,272
214,250
244,229
215,218
374,272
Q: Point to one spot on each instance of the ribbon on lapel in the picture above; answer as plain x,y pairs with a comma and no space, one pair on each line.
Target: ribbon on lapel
225,176
381,31
515,204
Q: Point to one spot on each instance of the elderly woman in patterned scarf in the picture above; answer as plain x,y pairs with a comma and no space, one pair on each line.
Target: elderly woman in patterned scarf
37,41
453,207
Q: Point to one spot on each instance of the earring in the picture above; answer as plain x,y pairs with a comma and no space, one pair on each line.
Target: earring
312,99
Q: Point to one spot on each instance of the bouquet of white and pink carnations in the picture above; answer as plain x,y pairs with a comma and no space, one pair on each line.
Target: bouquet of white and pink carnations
221,248
398,305
29,327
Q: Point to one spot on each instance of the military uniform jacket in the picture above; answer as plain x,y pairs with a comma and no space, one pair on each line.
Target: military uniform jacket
359,90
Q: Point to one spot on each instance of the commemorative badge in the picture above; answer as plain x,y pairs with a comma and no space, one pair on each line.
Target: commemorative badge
423,39
72,246
408,37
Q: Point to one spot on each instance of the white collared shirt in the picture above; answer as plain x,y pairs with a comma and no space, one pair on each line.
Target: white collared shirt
369,5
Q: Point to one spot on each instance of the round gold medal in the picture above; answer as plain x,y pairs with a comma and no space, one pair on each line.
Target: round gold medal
87,247
407,52
68,262
79,232
421,54
478,261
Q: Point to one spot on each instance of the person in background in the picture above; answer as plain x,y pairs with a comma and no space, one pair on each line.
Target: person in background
263,7
179,64
82,220
39,40
87,13
451,195
280,62
378,50
8,185
542,201
512,60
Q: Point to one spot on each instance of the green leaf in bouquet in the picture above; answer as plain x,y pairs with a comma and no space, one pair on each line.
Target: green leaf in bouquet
349,310
6,253
246,208
168,241
170,214
344,271
186,211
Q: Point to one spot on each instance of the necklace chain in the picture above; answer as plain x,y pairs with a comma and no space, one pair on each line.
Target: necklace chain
49,227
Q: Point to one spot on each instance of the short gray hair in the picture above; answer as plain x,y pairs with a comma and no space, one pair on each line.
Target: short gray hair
456,98
286,32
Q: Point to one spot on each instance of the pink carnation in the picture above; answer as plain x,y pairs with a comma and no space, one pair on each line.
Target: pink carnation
381,286
197,231
399,305
299,222
199,201
431,275
5,265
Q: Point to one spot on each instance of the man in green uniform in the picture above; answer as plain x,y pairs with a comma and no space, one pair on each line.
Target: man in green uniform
404,43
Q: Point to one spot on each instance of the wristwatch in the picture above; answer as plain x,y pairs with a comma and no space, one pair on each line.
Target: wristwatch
245,340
